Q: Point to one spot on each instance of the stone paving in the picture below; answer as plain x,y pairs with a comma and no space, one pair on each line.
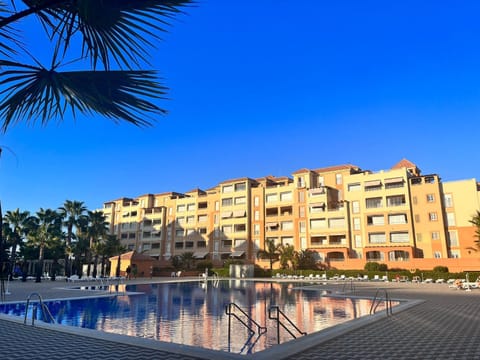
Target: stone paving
444,326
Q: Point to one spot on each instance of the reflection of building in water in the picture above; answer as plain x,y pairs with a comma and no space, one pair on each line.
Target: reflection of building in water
193,313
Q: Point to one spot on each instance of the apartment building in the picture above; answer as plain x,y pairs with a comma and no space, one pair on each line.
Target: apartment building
347,215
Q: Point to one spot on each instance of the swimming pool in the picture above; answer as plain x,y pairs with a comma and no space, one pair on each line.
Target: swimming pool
194,313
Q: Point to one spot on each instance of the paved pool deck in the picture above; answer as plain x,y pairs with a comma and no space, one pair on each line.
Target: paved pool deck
440,322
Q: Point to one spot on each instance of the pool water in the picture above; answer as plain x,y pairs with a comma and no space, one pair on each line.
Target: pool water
194,313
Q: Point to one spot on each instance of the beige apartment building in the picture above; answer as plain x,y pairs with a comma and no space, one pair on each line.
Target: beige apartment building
347,215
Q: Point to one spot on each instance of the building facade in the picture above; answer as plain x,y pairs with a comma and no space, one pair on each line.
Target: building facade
347,215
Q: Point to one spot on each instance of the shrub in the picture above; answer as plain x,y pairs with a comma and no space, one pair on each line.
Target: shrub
440,269
374,266
202,265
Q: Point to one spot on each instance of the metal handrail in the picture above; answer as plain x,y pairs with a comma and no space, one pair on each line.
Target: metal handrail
280,323
260,329
46,312
352,286
376,302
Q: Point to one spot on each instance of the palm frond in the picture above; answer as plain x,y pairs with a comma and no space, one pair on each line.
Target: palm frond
117,29
7,34
33,93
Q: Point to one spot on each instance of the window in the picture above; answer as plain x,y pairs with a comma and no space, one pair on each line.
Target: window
302,226
301,211
452,238
240,227
286,196
432,216
240,200
287,225
156,246
188,244
226,243
179,232
318,224
300,182
146,234
217,206
395,219
256,201
301,196
394,183
336,223
287,240
358,241
375,220
202,218
396,200
240,243
240,187
317,207
430,198
373,185
419,237
417,218
377,238
147,223
454,254
437,255
157,222
429,180
227,189
227,229
271,198
435,235
356,223
227,202
450,219
203,205
179,245
338,179
180,220
202,230
321,181
399,237
355,207
131,235
354,187
201,244
256,229
181,208
448,200
190,219
257,215
372,203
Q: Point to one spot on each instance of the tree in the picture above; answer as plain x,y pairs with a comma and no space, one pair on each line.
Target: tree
475,221
71,212
287,256
20,223
46,232
270,253
97,231
307,259
116,38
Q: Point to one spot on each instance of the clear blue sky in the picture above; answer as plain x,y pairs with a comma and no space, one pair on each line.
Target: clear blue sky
263,87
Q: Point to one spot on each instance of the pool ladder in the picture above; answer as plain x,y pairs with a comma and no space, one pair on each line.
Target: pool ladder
378,300
276,316
47,315
230,310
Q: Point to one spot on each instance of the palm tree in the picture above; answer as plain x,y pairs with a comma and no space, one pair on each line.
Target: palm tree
112,247
47,232
71,212
287,256
115,34
20,223
475,220
97,231
271,252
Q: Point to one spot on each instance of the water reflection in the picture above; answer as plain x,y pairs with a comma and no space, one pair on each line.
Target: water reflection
193,313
